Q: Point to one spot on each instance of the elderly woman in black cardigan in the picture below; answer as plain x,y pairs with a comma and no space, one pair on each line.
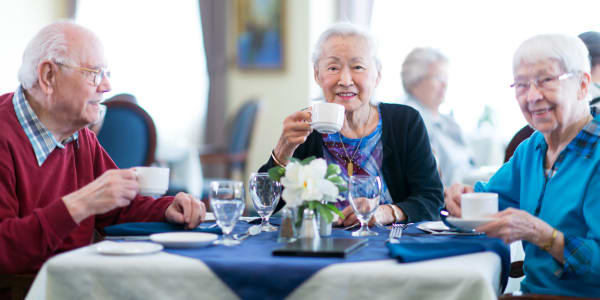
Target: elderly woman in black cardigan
386,140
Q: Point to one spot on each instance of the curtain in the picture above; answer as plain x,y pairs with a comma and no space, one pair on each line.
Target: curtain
214,32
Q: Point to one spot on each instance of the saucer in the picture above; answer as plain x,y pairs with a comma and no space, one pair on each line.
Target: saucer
127,248
326,127
433,225
184,239
468,224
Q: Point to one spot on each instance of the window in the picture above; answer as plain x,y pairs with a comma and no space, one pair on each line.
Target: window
479,38
155,51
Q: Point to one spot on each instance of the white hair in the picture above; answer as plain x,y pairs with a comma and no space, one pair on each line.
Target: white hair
569,51
416,65
346,29
50,43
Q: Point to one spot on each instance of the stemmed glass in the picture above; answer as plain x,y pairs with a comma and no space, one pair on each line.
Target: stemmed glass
265,194
227,202
363,193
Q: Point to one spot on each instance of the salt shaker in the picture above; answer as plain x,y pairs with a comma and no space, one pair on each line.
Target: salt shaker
309,227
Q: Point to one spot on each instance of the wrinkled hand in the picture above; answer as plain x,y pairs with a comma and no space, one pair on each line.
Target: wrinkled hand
514,224
115,188
186,210
452,198
296,129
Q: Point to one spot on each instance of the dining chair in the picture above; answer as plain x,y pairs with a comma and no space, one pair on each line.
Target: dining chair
521,135
232,157
234,154
128,134
15,286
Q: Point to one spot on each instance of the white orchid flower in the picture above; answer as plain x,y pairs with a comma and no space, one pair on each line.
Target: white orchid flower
307,183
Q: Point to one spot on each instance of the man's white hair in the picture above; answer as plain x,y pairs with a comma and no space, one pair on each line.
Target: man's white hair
50,43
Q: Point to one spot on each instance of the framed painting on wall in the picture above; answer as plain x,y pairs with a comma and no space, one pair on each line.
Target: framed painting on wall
259,36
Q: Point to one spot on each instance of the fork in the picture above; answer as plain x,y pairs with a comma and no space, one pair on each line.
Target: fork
396,233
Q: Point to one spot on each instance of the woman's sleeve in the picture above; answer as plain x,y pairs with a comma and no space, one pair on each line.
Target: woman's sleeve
506,182
582,253
425,195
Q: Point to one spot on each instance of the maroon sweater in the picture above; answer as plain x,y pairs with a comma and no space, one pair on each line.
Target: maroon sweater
34,221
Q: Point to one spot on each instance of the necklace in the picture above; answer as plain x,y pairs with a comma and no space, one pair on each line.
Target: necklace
350,165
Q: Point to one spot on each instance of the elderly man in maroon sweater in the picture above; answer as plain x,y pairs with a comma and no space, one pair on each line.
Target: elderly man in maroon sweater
57,184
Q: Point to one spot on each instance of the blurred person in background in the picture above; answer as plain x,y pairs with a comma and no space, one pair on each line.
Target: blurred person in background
591,39
425,78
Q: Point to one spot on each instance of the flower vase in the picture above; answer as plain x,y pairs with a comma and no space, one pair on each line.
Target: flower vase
287,230
324,225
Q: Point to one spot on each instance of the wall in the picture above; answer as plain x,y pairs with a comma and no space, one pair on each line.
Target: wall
281,92
19,22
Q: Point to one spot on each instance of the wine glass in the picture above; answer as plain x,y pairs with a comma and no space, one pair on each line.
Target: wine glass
363,194
265,194
227,202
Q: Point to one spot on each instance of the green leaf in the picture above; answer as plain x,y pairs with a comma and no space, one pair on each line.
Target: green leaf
325,212
332,169
275,173
294,160
307,160
335,210
342,188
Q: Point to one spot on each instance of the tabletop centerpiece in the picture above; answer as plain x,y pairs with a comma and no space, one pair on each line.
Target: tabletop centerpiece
312,184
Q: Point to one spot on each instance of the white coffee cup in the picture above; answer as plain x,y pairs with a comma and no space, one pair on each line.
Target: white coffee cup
478,205
327,117
152,181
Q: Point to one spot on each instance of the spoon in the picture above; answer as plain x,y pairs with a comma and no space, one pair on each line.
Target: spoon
253,230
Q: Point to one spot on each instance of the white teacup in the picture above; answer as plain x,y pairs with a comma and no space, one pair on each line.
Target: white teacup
152,181
327,117
478,205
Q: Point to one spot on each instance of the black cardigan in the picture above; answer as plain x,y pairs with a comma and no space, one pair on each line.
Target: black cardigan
408,166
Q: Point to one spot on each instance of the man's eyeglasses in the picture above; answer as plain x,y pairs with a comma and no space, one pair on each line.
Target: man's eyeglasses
547,83
99,74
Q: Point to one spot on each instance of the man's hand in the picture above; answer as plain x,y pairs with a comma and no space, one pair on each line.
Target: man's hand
186,210
115,188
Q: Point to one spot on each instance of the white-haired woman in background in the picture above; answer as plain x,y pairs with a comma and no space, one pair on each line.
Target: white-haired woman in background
549,190
386,140
425,78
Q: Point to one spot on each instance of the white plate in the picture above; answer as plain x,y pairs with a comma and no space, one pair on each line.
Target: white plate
127,248
469,224
184,239
433,225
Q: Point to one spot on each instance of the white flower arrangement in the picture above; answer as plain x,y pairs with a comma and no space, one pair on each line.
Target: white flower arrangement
311,183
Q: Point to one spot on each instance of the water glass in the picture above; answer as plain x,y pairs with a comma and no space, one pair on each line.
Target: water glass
227,203
363,193
265,194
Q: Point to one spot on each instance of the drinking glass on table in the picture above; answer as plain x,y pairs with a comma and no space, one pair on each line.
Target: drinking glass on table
227,203
363,194
265,194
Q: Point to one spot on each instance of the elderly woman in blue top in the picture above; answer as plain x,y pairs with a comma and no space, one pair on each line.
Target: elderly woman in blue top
388,140
549,192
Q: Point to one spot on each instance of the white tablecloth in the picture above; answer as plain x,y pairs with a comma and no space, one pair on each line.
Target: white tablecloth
85,274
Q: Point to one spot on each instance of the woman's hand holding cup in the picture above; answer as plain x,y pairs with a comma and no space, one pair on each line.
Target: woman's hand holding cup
296,128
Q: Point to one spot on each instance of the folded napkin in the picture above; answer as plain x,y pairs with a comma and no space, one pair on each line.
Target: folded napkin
431,247
147,228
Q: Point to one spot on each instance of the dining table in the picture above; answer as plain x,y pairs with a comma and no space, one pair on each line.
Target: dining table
251,271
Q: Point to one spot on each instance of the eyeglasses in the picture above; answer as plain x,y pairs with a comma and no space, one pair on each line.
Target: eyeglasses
546,83
99,74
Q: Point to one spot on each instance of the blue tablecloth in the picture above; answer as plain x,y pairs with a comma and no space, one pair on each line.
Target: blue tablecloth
147,228
252,272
